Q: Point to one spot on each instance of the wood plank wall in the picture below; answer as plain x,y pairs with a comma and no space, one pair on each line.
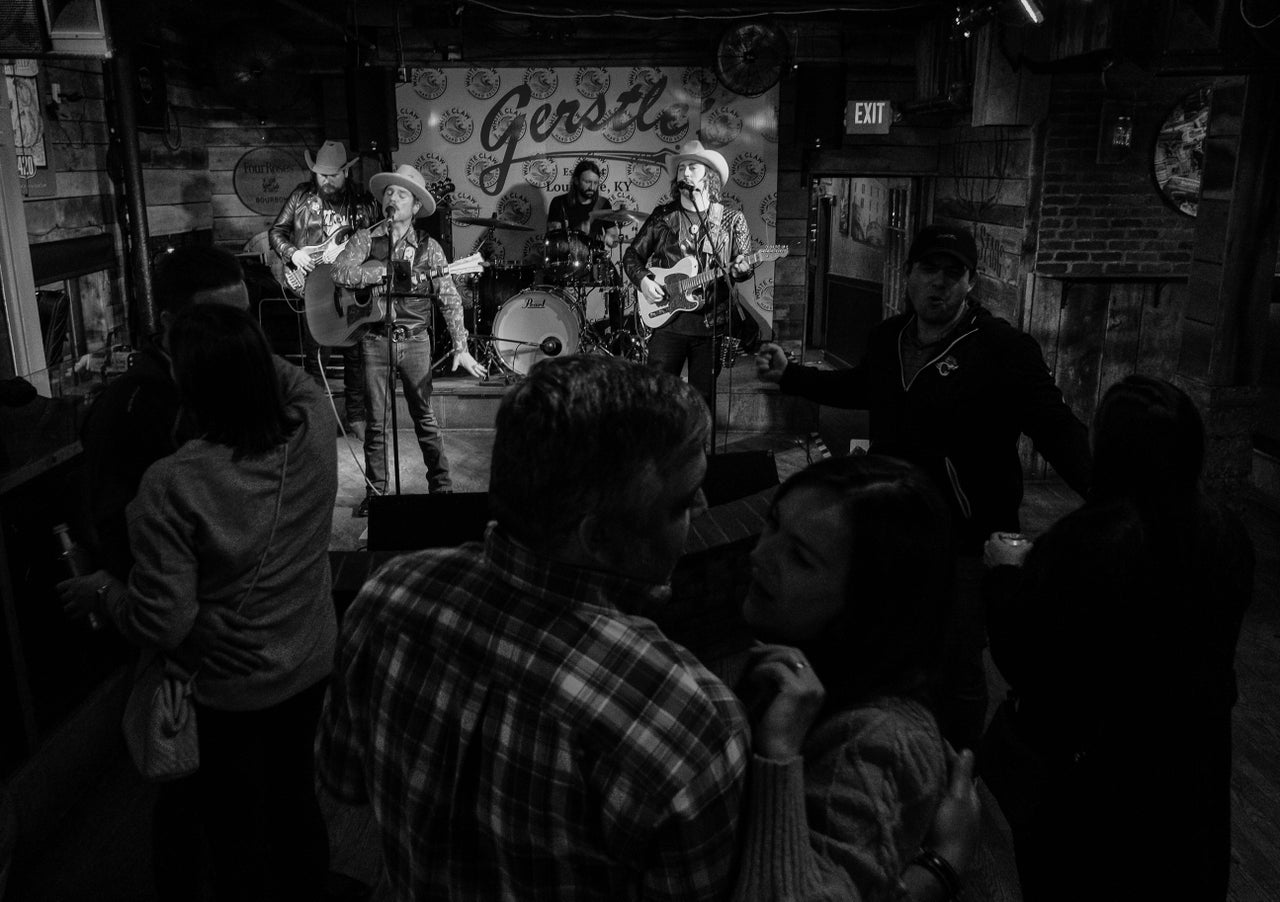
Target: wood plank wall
1094,333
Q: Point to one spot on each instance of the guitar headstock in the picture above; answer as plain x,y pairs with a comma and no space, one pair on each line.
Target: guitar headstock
467,265
771,252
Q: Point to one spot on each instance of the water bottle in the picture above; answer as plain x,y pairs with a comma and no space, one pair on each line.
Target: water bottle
76,562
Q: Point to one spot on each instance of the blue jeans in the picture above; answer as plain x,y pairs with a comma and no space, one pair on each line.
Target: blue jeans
411,357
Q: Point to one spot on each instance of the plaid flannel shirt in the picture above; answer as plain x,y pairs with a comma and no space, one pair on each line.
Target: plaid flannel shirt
520,737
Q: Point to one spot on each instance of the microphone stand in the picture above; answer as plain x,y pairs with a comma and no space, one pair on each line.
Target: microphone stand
389,321
715,262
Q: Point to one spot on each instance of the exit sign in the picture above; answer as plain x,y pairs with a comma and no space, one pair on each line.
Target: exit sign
868,117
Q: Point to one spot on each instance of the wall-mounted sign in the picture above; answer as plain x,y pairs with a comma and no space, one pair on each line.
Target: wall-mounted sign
1178,160
265,175
26,116
867,117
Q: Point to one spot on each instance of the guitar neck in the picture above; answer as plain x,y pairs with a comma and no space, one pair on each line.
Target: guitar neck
705,278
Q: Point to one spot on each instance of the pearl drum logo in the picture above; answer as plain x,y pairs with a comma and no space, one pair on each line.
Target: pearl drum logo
432,166
456,125
429,83
477,166
540,172
408,126
482,83
673,123
644,173
592,81
747,170
542,82
721,127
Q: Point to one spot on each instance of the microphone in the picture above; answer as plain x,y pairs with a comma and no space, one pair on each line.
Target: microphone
551,346
686,187
389,210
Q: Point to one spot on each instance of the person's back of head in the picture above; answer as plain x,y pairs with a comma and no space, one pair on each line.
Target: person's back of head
1148,443
198,274
888,637
227,378
575,437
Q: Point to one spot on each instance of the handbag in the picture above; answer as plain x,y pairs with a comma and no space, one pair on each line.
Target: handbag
159,721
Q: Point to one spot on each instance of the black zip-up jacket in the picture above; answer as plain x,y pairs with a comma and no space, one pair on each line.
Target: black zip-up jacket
960,417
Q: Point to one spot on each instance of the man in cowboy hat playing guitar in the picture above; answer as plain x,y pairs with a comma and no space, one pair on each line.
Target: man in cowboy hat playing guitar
693,224
403,338
320,209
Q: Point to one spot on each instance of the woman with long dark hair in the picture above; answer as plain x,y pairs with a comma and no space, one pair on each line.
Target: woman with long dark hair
851,580
1112,755
230,538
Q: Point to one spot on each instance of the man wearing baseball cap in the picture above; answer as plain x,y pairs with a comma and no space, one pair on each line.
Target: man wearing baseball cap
950,387
327,204
405,341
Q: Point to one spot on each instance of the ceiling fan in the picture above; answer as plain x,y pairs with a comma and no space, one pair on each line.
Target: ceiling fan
751,57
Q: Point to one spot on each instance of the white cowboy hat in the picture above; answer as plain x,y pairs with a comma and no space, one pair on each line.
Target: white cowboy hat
330,159
693,150
411,180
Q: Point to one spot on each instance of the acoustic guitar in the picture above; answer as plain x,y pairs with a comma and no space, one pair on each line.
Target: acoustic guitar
336,316
679,283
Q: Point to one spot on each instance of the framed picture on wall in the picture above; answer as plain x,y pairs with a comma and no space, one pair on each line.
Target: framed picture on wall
1178,160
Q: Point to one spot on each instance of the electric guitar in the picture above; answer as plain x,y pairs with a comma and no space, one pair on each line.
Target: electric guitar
323,253
336,315
680,281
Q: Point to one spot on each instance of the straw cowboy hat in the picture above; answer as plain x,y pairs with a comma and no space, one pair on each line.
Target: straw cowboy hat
693,150
409,178
330,160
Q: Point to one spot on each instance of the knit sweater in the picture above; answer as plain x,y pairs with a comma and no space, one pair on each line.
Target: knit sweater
198,528
841,821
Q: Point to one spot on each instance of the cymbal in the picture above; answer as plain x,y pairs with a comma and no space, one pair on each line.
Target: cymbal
618,216
492,222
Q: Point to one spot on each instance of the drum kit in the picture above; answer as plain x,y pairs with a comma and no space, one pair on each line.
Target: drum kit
574,301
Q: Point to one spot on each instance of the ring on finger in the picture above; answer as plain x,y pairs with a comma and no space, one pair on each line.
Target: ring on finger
797,665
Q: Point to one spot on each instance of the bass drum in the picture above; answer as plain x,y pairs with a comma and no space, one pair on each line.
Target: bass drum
533,325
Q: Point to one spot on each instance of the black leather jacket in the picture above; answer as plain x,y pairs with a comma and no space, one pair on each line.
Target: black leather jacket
305,219
658,244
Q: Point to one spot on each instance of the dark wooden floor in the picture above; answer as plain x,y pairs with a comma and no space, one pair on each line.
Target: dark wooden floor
102,852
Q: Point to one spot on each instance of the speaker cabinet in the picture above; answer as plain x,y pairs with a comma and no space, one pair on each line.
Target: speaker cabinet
371,109
736,474
410,522
820,102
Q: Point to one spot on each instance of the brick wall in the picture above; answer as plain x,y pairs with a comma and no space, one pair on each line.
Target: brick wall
1099,219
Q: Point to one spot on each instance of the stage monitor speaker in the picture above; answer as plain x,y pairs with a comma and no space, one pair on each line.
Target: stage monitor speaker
820,102
371,109
410,522
736,474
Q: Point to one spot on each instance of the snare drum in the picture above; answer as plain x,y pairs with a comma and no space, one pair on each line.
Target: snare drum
533,325
565,255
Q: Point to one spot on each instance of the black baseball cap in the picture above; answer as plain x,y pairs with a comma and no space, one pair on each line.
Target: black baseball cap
952,240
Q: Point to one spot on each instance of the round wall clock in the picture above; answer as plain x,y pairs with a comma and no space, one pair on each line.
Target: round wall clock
1178,161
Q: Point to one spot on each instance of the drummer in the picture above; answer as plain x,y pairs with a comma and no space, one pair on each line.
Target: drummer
572,210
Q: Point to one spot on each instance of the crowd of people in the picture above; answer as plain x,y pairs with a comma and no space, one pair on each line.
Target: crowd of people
513,719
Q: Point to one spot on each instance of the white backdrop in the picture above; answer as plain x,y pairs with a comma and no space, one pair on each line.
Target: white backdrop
508,138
